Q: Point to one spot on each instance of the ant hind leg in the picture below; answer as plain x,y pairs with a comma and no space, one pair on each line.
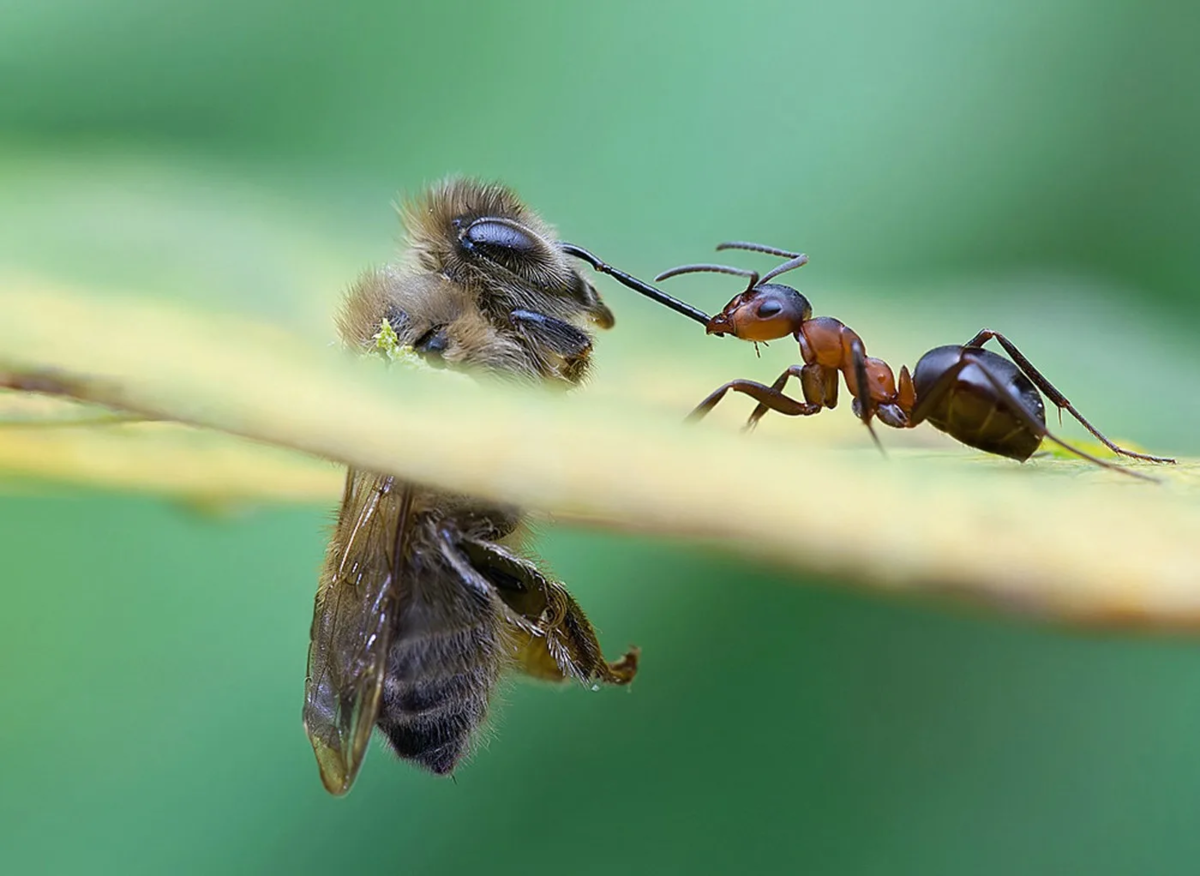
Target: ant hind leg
1053,394
1032,422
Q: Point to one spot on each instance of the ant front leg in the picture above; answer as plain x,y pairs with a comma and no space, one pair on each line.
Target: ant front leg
820,385
1052,392
767,396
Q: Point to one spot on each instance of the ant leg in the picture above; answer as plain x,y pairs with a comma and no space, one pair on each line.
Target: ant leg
818,382
764,395
947,380
1052,392
632,282
862,391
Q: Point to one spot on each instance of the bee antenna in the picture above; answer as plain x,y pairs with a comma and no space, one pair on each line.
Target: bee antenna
757,247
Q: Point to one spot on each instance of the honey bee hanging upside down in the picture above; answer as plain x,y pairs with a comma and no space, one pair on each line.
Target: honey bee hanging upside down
425,597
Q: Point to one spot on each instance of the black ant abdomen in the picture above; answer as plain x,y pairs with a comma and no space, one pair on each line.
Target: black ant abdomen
967,404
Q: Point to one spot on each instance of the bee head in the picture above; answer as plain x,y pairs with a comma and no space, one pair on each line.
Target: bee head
482,236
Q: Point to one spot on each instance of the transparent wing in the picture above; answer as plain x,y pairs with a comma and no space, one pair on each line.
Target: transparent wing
352,623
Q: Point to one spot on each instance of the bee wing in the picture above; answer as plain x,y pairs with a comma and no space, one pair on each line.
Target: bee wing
352,624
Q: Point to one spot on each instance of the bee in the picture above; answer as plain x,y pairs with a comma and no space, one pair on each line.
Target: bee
425,596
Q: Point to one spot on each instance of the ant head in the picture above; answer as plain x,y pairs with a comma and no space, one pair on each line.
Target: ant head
764,312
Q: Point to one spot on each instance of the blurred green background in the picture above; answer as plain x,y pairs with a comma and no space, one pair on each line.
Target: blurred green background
1026,166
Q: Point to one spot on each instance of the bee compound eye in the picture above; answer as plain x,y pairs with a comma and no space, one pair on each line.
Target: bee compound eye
499,240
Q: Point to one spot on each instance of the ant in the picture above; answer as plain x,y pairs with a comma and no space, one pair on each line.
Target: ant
972,394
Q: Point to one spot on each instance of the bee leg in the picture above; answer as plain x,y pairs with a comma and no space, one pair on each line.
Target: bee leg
559,335
555,640
571,344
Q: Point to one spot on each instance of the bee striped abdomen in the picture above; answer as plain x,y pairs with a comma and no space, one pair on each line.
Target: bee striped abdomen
437,690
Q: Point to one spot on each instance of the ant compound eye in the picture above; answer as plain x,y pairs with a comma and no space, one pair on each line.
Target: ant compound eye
768,309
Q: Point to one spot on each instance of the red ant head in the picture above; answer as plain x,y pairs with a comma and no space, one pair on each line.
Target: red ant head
763,313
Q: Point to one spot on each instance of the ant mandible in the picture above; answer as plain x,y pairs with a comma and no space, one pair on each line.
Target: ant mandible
972,394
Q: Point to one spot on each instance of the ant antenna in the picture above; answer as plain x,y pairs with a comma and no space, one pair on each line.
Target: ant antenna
757,247
714,269
790,265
